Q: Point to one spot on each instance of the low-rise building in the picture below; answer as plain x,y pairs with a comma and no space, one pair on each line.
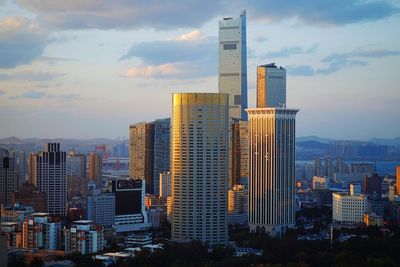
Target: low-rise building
84,237
371,219
40,231
347,208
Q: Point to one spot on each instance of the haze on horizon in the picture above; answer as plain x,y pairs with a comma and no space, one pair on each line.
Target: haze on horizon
88,69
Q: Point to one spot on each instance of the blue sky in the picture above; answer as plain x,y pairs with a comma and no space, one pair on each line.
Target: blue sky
85,69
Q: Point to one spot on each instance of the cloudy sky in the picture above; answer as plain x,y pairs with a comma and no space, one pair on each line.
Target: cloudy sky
85,69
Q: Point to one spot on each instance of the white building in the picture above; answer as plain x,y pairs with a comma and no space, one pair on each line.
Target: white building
347,208
272,170
101,208
271,86
84,237
199,168
41,232
233,64
50,177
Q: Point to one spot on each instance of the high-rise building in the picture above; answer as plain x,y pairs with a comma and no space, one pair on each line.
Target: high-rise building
50,177
237,204
29,195
76,164
84,237
199,167
238,151
372,184
272,170
232,78
162,140
130,211
32,168
141,153
271,86
8,177
96,169
22,167
76,174
101,208
40,231
165,184
398,180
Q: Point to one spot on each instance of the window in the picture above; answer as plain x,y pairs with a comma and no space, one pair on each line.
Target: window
230,46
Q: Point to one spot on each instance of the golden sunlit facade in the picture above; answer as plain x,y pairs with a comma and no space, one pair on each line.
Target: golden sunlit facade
271,170
199,167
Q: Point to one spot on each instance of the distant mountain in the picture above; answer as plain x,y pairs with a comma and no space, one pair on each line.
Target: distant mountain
314,138
386,142
312,145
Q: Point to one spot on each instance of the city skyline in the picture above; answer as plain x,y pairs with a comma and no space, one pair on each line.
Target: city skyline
79,66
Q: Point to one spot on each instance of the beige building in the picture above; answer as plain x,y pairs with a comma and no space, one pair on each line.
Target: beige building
165,184
271,86
271,170
199,167
348,208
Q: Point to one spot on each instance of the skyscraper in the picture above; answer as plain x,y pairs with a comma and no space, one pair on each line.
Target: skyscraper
8,177
232,78
141,153
271,86
96,169
50,177
199,167
238,151
76,174
272,170
162,161
398,180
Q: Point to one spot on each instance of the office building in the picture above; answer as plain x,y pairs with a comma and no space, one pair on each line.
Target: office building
398,180
50,177
22,164
348,208
372,184
161,161
272,170
319,182
8,177
141,153
355,189
232,79
96,169
271,86
84,237
130,211
238,151
31,168
76,164
101,208
199,167
40,231
29,195
237,205
165,184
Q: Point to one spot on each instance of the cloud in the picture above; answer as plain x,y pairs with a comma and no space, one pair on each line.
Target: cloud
189,55
172,14
300,70
94,14
21,41
31,75
187,47
36,94
317,12
338,61
33,94
289,51
2,92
